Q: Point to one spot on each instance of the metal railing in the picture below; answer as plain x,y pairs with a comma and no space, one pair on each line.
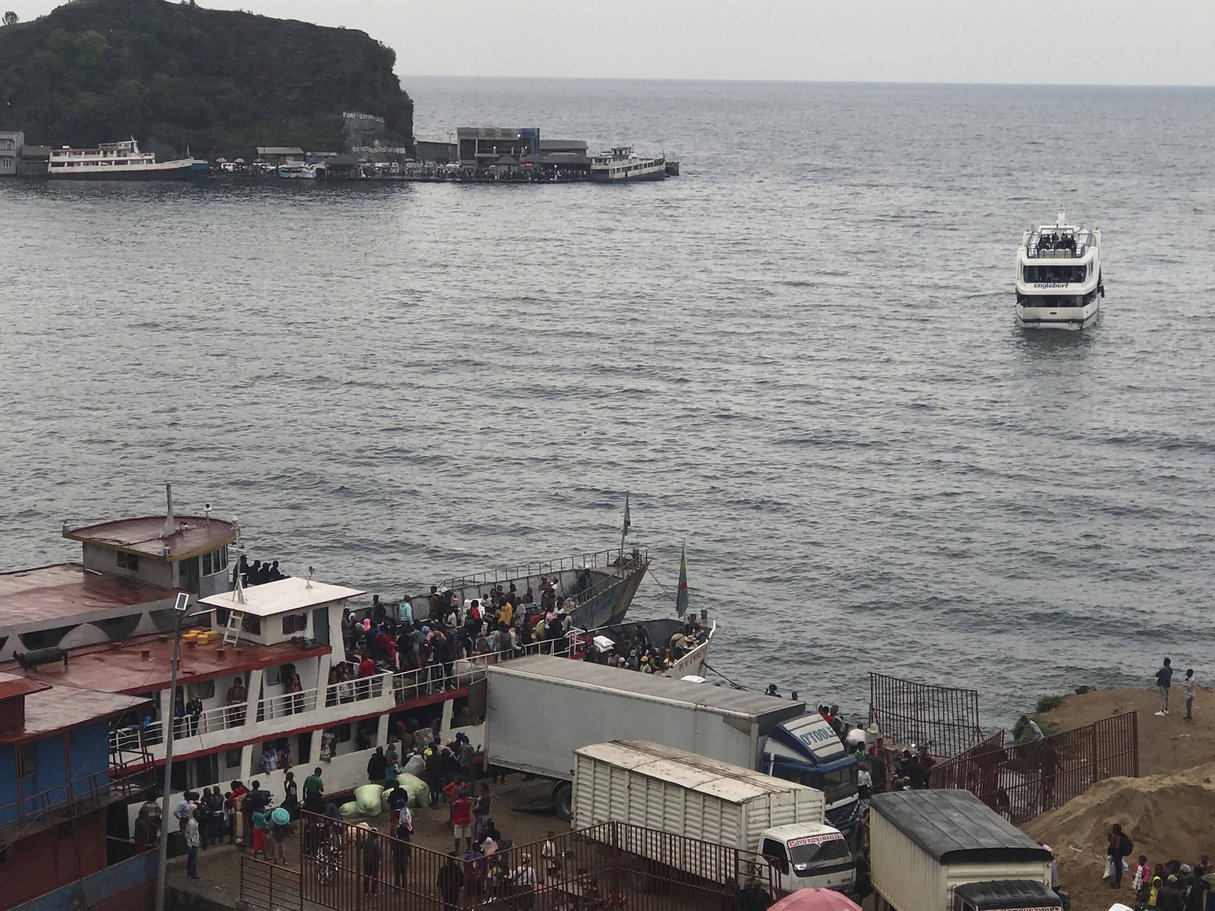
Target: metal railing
601,868
64,801
1023,780
602,559
908,712
268,886
1032,252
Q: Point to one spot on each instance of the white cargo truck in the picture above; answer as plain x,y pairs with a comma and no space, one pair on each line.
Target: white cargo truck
945,850
575,703
733,824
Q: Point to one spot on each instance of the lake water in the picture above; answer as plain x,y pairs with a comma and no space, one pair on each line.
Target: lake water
800,357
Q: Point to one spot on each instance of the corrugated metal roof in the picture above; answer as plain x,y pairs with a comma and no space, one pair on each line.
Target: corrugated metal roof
955,826
690,770
769,710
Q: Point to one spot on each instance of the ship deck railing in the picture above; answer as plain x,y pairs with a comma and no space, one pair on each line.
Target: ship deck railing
606,560
31,813
385,691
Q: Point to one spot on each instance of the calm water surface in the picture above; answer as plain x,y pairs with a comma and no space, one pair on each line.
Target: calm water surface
800,357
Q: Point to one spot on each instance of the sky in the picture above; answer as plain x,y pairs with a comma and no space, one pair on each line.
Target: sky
1103,42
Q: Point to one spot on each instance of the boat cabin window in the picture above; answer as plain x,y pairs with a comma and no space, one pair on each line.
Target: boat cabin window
204,690
295,623
127,561
1054,300
215,562
775,854
1055,274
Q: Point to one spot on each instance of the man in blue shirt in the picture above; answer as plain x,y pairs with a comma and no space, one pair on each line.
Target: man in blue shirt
1164,679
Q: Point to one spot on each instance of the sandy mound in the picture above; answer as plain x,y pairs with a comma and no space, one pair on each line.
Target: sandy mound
1168,816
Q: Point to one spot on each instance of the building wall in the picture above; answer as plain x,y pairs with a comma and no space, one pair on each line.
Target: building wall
11,142
150,569
52,858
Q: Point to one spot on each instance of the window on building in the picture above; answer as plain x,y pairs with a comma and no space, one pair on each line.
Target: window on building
127,561
295,623
273,676
343,733
232,758
204,690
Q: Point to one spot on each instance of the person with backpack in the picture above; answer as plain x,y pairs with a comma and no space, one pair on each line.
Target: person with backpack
402,830
1120,846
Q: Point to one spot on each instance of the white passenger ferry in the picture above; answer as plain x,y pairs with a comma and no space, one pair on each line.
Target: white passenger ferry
115,161
1059,284
261,666
620,164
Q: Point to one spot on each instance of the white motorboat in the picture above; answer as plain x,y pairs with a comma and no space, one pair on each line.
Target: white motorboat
1059,283
621,165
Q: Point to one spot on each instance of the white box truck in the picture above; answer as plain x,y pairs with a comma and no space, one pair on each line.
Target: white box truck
576,703
733,823
938,850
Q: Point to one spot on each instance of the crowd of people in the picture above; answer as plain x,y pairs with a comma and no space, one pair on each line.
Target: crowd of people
1165,886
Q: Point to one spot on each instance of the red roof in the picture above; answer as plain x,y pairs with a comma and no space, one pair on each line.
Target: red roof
120,667
11,685
49,594
194,535
60,708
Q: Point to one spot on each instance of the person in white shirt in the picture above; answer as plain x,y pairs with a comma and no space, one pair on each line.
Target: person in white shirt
1035,732
193,840
864,782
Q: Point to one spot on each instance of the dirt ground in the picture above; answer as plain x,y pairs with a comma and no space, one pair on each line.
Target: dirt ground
1169,810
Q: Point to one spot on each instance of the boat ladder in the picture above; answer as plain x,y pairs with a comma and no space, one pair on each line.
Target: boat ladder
232,630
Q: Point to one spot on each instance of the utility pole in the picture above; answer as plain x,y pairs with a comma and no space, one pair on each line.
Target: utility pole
181,606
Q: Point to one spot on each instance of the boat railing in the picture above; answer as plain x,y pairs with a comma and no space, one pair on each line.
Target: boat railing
1032,252
64,801
603,559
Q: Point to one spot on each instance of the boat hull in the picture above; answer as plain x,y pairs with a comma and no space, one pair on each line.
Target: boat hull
659,174
173,171
1065,318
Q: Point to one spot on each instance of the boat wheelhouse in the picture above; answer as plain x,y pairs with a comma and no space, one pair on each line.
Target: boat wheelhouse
115,161
622,165
1059,283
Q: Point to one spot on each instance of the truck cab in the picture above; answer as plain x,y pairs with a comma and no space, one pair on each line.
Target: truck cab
1005,895
803,856
807,750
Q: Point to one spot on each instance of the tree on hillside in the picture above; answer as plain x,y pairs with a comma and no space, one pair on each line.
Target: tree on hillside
10,18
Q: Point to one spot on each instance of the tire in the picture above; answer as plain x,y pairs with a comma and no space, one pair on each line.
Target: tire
563,797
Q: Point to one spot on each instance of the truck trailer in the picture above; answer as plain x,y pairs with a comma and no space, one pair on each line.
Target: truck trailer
733,824
576,703
946,850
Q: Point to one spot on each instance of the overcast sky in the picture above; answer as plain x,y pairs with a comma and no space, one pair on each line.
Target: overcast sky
1029,41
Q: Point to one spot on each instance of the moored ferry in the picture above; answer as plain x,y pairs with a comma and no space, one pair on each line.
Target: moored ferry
115,161
1059,283
259,667
621,165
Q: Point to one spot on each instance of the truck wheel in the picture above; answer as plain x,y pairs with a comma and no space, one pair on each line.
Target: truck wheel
563,796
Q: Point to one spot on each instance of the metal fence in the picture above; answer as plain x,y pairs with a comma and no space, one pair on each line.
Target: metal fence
907,712
269,887
601,868
1022,780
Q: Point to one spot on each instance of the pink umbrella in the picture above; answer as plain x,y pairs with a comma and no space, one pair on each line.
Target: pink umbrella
815,900
240,161
220,160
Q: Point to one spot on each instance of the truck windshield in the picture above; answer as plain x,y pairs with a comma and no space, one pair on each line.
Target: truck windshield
807,854
838,785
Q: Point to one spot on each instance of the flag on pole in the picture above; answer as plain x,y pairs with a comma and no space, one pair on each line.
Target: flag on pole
627,520
681,596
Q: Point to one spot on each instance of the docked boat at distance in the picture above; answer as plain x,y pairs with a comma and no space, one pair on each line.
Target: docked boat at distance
622,165
1059,283
259,666
300,172
116,161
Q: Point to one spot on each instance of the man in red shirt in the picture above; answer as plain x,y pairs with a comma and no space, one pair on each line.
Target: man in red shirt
461,821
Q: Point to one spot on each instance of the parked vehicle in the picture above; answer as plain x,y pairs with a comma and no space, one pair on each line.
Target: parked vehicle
734,824
577,703
946,850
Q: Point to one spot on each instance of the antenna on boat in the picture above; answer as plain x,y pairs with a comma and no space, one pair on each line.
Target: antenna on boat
170,528
308,584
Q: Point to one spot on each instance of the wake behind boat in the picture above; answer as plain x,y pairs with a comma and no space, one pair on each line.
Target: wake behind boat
115,161
1058,282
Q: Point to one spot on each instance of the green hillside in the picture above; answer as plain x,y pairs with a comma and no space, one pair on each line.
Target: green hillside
175,75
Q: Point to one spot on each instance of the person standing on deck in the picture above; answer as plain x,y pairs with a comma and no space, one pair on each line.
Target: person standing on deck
1164,680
